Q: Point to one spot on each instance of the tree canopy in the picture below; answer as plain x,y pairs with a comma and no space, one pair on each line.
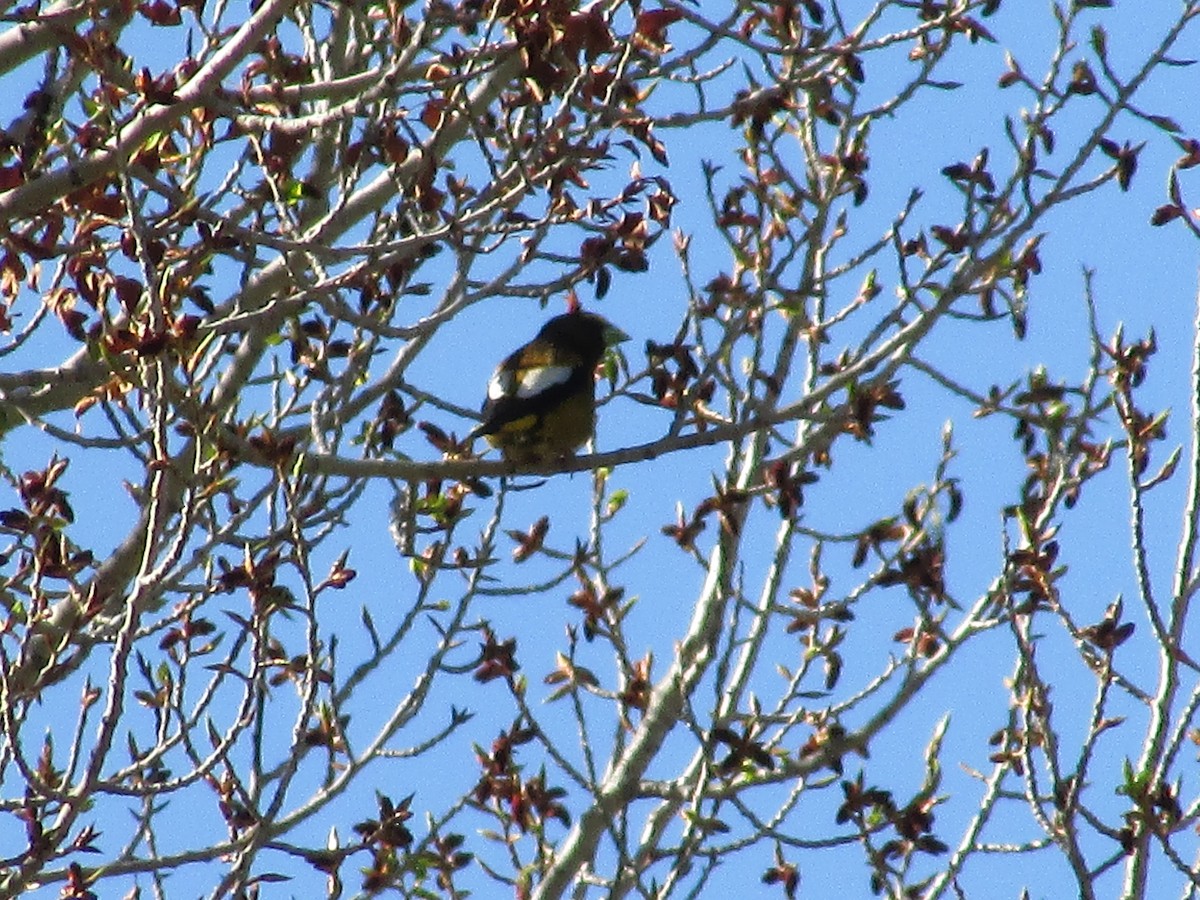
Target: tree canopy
876,579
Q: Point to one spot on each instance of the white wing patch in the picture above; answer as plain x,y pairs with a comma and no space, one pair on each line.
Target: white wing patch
500,385
531,383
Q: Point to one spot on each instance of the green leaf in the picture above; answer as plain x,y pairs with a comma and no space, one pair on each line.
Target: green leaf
616,501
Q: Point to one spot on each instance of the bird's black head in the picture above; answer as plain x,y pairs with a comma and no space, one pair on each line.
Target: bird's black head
587,334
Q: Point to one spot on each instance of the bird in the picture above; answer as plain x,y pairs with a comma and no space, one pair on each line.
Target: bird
541,400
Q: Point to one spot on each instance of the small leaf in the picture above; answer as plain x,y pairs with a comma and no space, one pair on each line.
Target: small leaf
1166,213
1166,123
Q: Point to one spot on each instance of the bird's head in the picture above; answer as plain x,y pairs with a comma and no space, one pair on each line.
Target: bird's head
586,333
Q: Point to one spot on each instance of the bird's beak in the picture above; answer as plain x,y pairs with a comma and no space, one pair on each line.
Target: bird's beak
613,335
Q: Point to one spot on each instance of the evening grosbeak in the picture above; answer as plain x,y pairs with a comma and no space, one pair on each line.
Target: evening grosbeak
541,401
